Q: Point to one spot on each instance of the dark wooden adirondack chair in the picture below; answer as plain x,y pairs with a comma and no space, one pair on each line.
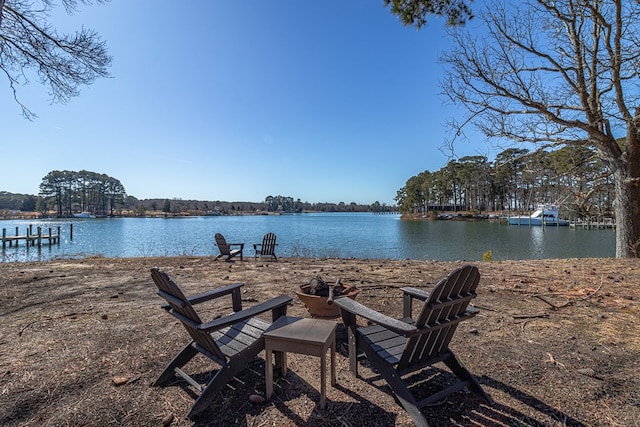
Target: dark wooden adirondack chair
225,248
267,247
396,348
232,341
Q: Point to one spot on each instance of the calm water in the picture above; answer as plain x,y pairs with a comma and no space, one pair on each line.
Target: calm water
339,235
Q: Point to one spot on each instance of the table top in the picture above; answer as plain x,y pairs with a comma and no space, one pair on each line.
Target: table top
313,331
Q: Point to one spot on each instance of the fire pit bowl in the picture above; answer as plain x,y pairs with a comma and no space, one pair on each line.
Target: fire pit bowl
317,304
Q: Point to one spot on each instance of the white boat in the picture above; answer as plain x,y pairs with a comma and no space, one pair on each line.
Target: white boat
84,215
544,215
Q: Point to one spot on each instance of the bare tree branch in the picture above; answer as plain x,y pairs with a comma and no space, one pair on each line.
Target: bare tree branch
30,46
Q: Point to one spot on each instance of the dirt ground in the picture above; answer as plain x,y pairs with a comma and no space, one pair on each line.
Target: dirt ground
557,342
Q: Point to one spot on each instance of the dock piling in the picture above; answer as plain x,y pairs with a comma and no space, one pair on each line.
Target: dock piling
33,239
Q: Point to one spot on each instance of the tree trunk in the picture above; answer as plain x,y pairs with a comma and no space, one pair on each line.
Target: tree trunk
627,210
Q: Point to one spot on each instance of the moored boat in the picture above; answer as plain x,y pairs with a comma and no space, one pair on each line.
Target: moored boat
544,215
84,215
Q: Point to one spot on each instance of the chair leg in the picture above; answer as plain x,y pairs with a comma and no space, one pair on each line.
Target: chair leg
222,377
398,387
463,374
187,353
349,321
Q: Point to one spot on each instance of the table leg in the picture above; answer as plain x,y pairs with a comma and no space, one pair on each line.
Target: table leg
283,363
333,363
323,380
268,377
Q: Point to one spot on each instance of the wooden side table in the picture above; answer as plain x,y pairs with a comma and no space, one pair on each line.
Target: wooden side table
302,336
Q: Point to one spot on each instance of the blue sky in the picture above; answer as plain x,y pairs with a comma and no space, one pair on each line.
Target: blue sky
327,101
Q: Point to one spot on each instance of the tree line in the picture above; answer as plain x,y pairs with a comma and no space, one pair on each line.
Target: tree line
67,192
288,204
271,204
517,180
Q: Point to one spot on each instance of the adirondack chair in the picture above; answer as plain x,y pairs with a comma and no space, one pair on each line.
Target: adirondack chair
396,348
231,341
225,248
267,247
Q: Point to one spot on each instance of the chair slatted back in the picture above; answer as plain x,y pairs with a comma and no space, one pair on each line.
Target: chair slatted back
181,308
442,312
268,244
221,242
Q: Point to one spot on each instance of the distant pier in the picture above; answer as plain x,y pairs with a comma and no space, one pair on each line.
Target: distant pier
33,237
594,223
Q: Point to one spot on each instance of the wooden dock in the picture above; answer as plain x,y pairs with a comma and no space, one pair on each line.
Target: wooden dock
31,238
594,223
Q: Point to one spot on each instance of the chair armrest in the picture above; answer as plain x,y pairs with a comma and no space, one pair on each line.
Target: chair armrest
408,294
236,244
420,294
256,245
397,326
207,296
248,313
214,293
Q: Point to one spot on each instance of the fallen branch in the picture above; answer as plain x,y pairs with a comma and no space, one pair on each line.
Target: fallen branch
512,290
550,303
553,360
25,327
527,276
387,287
572,301
594,292
484,307
530,316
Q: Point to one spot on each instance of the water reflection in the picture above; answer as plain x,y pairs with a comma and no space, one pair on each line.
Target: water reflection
469,240
315,235
537,241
